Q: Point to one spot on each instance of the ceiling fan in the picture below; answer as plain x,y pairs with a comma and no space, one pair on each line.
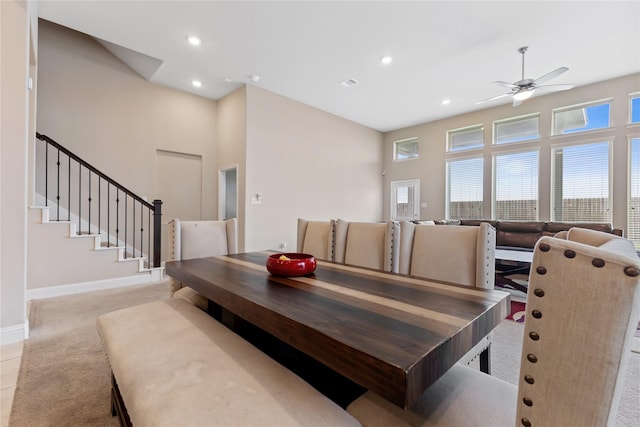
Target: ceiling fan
525,88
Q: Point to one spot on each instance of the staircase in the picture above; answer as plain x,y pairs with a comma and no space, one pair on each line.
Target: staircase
87,232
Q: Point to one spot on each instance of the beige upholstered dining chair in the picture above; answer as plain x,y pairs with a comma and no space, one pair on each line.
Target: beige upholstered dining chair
582,312
199,239
367,244
453,253
316,238
458,254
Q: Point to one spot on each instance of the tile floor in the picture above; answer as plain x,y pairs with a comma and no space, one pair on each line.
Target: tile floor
10,357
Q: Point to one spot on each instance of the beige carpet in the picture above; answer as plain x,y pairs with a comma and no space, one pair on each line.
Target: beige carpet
64,378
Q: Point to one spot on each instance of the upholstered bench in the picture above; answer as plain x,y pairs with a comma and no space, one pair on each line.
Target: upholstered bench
172,364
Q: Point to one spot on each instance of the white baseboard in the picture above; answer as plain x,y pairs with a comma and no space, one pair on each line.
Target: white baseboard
97,285
15,333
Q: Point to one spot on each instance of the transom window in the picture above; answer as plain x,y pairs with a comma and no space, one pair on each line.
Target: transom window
580,177
634,108
464,188
515,181
465,138
405,149
581,118
516,129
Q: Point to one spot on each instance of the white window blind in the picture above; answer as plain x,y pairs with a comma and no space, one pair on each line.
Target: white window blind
633,213
515,130
464,188
516,186
580,176
465,139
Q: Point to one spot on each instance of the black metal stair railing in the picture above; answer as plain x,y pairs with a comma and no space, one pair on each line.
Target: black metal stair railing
99,205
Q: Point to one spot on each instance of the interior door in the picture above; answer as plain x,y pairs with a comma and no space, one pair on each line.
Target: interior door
228,193
405,200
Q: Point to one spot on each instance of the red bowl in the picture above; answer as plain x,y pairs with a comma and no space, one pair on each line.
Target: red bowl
296,264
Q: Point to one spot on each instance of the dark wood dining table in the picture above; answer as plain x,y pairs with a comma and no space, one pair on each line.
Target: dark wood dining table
392,334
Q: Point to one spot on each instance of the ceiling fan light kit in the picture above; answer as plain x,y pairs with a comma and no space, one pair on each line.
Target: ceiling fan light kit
525,88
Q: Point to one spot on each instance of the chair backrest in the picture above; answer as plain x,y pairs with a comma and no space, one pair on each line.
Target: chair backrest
367,244
316,238
582,312
461,254
199,239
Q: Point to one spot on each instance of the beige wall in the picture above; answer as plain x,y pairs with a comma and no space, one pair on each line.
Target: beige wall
93,104
18,39
430,167
306,163
231,148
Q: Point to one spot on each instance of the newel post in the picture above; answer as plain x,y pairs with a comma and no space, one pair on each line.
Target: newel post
157,231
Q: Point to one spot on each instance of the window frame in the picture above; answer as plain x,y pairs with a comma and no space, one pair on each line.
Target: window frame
448,161
406,140
633,96
635,228
497,123
450,132
583,105
553,178
494,177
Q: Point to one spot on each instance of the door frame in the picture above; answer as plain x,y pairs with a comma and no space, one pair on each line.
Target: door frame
222,189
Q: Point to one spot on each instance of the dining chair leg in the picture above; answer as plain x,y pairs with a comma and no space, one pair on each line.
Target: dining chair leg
485,360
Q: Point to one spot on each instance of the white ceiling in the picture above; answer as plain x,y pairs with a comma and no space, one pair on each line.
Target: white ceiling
303,49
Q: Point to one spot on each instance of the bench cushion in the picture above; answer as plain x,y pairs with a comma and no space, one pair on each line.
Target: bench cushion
175,365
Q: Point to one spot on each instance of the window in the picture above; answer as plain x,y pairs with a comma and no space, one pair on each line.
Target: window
634,108
515,186
464,188
405,200
633,212
465,138
516,129
405,149
580,177
581,118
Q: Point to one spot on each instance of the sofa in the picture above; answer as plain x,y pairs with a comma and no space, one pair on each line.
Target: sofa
525,234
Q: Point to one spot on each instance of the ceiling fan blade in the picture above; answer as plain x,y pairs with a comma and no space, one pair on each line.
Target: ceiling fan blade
495,97
551,75
505,84
553,88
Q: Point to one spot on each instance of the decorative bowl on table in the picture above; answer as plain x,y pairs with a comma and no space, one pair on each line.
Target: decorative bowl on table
291,264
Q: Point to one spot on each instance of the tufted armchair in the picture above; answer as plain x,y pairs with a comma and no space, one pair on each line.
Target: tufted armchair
367,244
582,312
316,238
199,239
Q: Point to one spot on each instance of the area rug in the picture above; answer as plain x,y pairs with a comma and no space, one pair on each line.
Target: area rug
518,311
64,377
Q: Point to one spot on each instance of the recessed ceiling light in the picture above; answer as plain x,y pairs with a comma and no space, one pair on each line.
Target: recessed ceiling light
228,80
386,60
446,101
254,77
194,40
196,83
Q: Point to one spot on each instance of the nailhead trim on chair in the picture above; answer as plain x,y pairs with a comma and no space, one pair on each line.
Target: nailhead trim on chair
631,271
